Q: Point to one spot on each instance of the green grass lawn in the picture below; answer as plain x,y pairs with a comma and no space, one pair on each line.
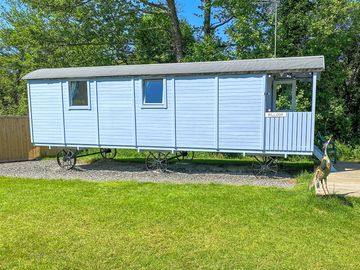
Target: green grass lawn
86,225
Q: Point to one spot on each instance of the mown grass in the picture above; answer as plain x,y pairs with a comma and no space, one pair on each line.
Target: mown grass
110,225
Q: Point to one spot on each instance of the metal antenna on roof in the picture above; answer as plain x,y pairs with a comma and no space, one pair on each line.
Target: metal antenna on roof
274,9
275,30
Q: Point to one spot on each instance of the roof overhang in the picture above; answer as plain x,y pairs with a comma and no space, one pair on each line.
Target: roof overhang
253,66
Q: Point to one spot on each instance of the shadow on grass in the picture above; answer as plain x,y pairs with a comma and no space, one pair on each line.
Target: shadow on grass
231,166
293,165
290,167
338,198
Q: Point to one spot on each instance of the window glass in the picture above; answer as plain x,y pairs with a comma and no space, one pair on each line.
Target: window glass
303,96
153,92
284,97
78,93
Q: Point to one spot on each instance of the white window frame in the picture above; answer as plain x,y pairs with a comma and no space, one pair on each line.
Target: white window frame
293,94
162,105
77,107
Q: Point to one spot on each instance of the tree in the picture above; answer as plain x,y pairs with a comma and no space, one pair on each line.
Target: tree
169,9
318,27
176,31
154,42
58,33
206,5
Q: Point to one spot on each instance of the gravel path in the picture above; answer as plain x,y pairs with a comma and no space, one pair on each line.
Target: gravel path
109,170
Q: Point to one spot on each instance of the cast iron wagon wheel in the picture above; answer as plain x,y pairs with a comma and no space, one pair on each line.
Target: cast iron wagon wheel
163,161
182,155
265,166
66,159
108,153
150,162
157,161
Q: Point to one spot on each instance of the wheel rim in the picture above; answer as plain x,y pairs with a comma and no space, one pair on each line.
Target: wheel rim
108,153
66,159
265,166
272,167
162,161
157,161
150,162
185,155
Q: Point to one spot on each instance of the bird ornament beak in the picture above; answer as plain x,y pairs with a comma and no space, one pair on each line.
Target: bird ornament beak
327,143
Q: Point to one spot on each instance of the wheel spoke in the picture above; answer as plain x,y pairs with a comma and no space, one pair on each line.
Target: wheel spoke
163,165
151,162
184,155
270,162
157,161
265,166
66,159
258,161
108,153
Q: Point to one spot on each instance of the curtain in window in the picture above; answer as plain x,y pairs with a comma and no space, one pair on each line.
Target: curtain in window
74,89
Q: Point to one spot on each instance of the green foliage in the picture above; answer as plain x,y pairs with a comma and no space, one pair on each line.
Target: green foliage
153,40
321,27
303,98
208,49
284,97
64,33
346,152
252,30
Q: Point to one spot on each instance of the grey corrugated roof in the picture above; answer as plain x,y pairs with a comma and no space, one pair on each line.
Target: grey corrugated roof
266,65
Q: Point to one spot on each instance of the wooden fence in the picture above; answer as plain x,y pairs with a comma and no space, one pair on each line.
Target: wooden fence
15,142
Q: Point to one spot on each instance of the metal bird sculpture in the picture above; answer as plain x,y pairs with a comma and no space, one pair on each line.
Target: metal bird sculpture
323,170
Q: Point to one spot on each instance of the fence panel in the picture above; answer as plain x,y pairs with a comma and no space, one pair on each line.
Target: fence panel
15,142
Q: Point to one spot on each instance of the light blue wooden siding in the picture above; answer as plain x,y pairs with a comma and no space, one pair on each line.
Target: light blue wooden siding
196,112
81,124
241,111
291,133
47,114
210,113
155,125
116,112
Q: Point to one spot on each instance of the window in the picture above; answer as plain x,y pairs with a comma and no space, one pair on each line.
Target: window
285,95
79,95
154,94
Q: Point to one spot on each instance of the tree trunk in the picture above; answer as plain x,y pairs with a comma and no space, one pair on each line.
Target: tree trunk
175,29
207,18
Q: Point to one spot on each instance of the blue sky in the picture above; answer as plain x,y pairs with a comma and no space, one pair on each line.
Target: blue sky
187,10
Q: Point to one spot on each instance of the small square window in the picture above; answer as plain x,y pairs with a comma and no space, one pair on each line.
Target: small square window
79,96
153,93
